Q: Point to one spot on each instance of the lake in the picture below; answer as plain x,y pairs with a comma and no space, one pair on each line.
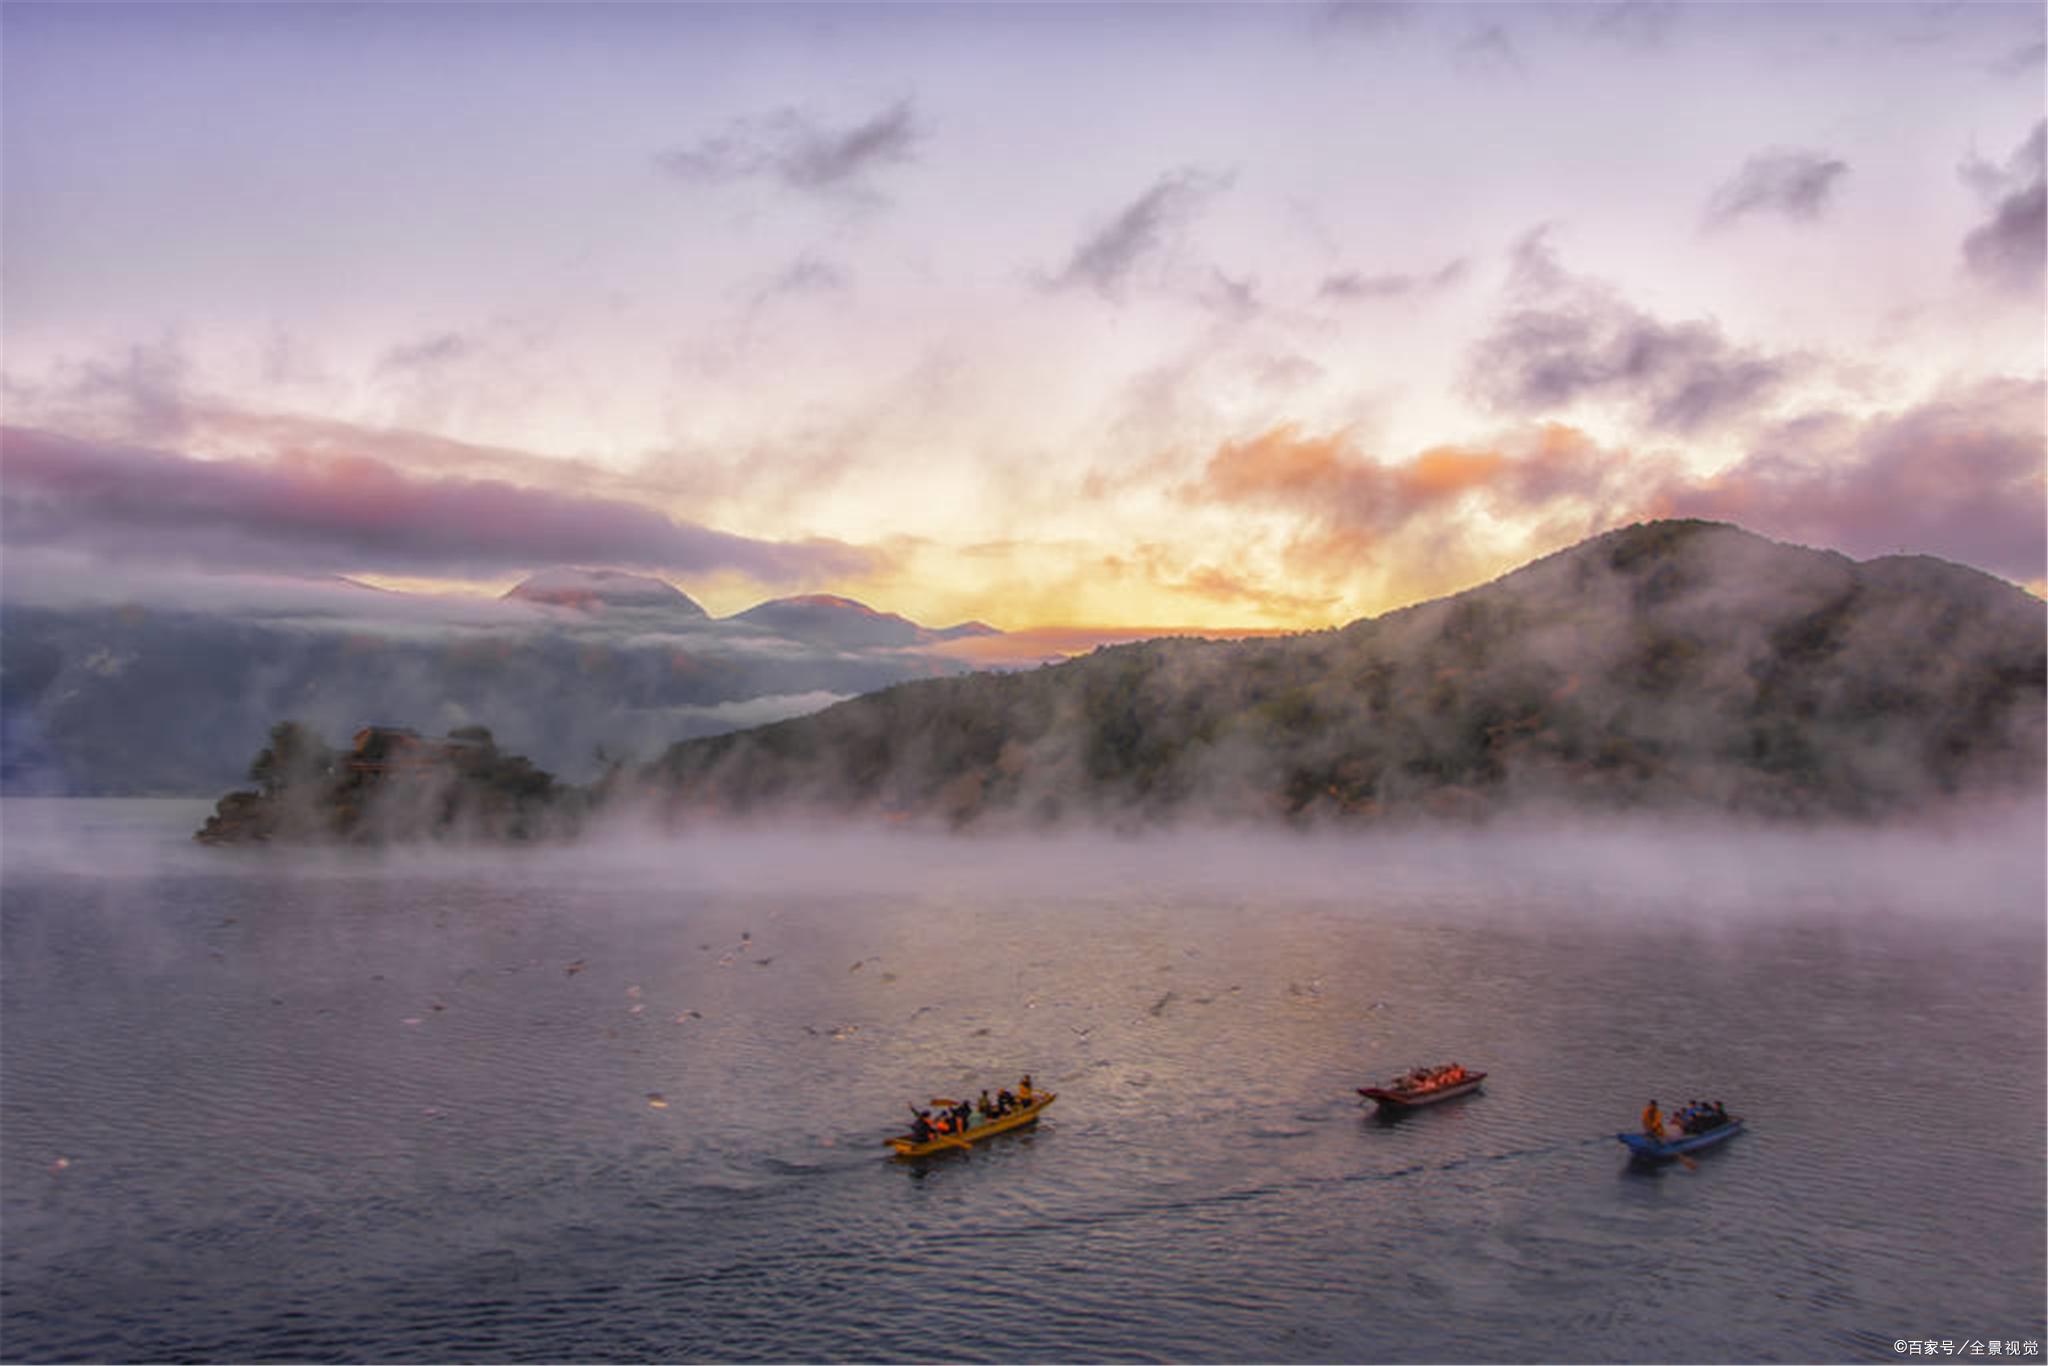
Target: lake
627,1102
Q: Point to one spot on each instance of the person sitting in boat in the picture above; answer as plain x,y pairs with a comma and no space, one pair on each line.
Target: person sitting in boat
1653,1121
1005,1102
1024,1090
963,1115
985,1107
921,1128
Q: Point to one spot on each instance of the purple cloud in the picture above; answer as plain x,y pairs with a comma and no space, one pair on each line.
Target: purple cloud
1106,259
1959,477
350,513
793,147
2009,249
1786,181
448,346
1574,339
1351,286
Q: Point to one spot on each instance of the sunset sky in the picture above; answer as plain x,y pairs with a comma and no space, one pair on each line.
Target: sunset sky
1218,316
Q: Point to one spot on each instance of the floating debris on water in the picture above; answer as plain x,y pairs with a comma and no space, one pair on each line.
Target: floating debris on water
656,1101
1159,1006
573,968
687,1016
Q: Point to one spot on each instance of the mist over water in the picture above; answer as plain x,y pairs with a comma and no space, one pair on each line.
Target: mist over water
295,1105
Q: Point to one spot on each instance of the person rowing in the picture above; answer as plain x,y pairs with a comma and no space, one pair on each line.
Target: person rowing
1653,1121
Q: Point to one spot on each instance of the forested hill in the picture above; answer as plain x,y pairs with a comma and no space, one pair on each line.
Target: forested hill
1671,665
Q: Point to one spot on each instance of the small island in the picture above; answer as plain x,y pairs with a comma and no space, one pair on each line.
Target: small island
392,784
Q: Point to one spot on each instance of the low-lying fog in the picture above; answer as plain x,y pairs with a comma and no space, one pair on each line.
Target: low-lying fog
1985,863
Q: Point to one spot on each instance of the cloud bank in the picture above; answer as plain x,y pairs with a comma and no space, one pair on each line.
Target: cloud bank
1960,476
300,514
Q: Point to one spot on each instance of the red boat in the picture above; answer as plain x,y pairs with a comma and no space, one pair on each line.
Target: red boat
1425,1086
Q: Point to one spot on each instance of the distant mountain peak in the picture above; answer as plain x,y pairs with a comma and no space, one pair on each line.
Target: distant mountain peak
824,600
831,619
967,628
594,590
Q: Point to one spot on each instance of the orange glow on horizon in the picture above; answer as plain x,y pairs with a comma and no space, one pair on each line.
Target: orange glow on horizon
1050,644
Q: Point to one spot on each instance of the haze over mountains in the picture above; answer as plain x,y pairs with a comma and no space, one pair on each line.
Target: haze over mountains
149,696
1668,666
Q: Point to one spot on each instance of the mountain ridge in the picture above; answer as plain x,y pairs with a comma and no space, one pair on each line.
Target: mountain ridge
599,589
827,618
1680,664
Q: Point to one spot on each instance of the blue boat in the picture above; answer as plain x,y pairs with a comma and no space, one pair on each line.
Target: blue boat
1649,1149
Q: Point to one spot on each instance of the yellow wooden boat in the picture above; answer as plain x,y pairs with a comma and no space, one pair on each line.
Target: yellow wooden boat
906,1146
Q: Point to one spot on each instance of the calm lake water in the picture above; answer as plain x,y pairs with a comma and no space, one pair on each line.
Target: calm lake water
263,1107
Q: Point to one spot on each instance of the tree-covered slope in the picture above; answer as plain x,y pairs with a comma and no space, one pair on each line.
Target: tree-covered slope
1667,665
